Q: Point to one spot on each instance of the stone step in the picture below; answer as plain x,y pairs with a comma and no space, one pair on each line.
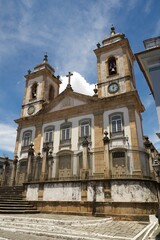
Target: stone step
11,201
10,196
14,204
57,229
13,211
47,221
10,193
18,208
71,229
3,199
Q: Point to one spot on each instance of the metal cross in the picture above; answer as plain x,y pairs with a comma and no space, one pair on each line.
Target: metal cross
69,79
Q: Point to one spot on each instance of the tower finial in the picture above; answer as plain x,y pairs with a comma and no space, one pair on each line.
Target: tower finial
112,30
45,59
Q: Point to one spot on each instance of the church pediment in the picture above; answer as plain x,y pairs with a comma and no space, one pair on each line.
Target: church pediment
67,102
68,99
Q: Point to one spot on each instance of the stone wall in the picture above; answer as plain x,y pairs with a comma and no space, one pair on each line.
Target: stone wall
133,197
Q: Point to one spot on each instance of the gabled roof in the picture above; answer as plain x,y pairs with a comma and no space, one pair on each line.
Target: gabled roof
67,99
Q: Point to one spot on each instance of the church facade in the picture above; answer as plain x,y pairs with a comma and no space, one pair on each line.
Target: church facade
86,154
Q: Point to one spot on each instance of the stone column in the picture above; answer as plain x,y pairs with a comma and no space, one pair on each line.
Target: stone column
106,155
44,171
50,162
30,163
38,159
14,171
4,173
85,171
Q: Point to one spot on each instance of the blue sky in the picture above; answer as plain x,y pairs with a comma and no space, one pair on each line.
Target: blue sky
68,30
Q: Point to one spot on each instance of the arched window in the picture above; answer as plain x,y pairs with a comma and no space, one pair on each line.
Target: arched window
51,93
48,134
116,125
85,128
112,68
27,137
34,91
66,133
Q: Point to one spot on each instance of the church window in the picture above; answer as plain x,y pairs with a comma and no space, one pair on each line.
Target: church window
85,129
34,91
51,93
116,124
48,134
27,137
112,68
66,133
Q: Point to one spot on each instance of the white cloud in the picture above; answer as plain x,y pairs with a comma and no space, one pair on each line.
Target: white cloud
7,137
157,29
78,83
149,102
147,6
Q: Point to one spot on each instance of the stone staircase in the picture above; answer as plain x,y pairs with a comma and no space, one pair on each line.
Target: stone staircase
11,201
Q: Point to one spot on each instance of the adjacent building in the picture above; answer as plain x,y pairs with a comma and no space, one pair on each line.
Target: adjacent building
149,62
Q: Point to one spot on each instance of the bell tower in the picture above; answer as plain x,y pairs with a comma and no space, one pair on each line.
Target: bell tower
115,65
41,87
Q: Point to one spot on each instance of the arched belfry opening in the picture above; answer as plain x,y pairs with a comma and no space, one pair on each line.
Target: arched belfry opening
34,91
51,94
112,68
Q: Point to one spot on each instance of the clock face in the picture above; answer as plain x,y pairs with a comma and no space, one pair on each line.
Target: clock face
113,87
31,110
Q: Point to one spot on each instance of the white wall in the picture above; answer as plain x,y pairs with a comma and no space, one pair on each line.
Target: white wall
74,132
62,192
127,132
132,191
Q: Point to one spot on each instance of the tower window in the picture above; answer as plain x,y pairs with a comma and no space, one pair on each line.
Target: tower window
112,66
34,91
116,125
51,93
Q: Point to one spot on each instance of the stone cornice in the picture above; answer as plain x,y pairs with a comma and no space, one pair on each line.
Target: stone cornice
101,104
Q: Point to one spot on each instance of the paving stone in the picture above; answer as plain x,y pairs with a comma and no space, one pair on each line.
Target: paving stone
51,227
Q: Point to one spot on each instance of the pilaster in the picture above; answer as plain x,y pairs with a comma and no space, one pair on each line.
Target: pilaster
134,141
106,156
44,172
30,163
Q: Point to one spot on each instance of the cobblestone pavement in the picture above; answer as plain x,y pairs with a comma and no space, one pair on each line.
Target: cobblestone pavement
155,235
51,226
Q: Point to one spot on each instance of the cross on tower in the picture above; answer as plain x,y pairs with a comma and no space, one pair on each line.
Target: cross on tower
69,79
